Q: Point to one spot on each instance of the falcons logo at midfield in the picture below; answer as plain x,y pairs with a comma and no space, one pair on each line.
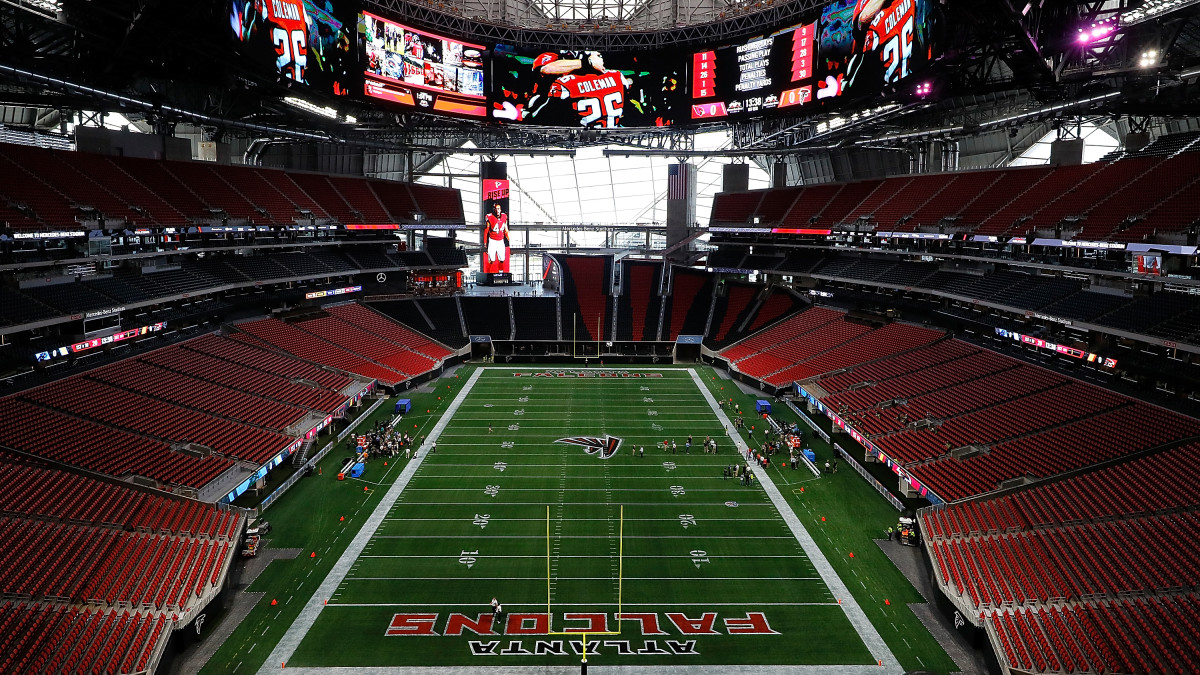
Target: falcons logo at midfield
606,447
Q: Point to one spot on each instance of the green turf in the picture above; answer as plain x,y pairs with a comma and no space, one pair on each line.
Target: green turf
751,562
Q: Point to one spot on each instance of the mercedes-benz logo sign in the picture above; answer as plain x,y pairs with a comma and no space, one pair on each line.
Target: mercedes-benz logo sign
381,277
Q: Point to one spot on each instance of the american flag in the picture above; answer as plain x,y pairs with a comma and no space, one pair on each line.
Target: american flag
677,181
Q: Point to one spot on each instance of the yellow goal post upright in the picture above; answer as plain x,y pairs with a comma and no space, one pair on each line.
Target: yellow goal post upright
620,586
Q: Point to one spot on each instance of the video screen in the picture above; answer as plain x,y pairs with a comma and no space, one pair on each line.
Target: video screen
585,89
864,46
748,78
1148,264
854,50
421,70
301,40
496,241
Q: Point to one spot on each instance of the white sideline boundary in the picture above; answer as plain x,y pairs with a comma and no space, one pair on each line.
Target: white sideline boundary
866,630
854,612
312,609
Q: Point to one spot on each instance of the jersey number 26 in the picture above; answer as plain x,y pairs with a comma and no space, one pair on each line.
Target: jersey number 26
611,107
897,52
291,52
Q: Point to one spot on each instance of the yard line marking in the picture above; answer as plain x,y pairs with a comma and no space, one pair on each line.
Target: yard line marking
790,556
595,604
569,536
561,578
312,609
591,489
871,669
543,504
514,476
538,520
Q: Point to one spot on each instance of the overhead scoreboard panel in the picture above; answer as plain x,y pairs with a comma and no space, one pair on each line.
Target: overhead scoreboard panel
855,50
420,70
755,76
303,41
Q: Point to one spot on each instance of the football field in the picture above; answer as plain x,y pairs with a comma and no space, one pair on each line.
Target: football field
539,495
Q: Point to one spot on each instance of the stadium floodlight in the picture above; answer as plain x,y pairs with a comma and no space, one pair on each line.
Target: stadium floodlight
1153,9
924,89
310,107
1149,58
1096,31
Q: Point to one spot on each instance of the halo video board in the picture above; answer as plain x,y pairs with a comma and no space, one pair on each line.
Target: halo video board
420,70
585,89
854,50
300,40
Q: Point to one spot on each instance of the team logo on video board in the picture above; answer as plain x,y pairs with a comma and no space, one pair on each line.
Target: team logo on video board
606,447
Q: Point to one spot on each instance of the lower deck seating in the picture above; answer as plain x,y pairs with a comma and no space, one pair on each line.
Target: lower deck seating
1146,635
54,638
148,416
435,317
1094,573
396,333
305,345
96,574
54,435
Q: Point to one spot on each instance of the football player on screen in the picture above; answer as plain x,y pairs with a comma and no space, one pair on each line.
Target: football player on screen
596,93
531,100
496,231
884,35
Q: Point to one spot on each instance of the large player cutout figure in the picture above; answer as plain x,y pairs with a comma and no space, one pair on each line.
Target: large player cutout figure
496,256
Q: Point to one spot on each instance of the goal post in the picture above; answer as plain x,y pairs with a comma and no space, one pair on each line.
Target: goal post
620,583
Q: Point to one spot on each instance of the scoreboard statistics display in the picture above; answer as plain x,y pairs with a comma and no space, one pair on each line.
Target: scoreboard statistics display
300,40
854,50
585,88
420,70
748,78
